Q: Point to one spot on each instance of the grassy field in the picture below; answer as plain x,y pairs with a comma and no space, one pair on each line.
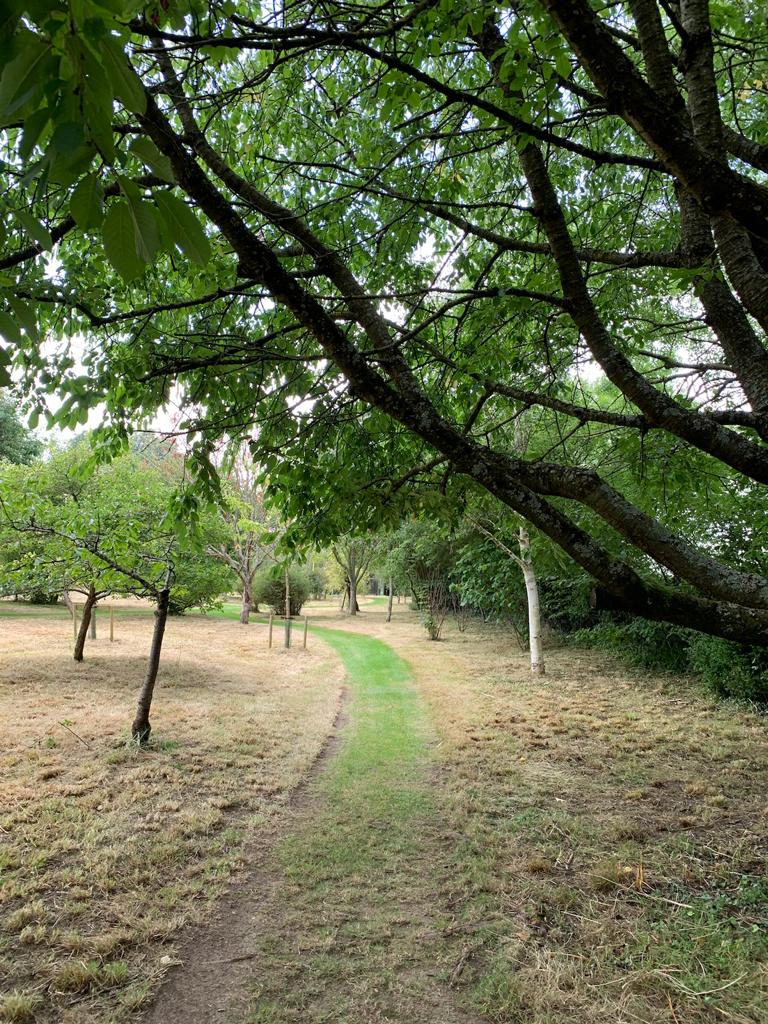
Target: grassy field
584,847
106,850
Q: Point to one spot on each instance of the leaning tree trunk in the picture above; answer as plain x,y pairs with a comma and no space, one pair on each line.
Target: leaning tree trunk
534,613
245,608
344,596
389,602
141,728
353,605
90,601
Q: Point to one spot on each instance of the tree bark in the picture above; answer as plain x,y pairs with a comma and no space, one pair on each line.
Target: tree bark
92,630
245,609
353,606
82,632
389,601
534,612
141,727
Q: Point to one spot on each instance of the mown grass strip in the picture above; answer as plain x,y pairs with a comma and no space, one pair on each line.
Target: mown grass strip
347,936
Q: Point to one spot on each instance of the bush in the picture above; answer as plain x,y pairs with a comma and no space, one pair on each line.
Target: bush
728,669
41,597
270,590
655,646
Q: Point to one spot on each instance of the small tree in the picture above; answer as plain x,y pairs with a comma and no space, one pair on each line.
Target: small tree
525,563
354,556
109,532
270,589
246,544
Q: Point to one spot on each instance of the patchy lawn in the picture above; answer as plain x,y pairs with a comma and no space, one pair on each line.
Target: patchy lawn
586,847
610,837
106,850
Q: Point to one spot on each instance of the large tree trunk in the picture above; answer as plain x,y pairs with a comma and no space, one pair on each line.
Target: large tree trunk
353,605
389,602
141,728
245,608
534,613
90,601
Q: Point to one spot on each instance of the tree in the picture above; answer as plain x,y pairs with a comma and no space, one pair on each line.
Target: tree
353,555
433,217
525,563
247,544
16,442
106,532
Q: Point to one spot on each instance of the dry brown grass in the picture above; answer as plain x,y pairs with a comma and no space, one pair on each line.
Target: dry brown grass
610,831
106,850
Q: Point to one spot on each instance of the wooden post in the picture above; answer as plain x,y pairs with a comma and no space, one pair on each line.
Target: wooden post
306,627
74,619
271,617
111,624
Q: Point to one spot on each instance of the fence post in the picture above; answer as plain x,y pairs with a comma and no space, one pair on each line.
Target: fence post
111,624
306,627
271,617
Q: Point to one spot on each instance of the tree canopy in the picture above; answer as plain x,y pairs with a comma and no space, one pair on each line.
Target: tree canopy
366,238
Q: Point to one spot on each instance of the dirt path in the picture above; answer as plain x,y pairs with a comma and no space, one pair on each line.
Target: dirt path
340,920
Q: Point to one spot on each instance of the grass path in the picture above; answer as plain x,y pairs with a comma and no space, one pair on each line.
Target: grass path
341,923
359,938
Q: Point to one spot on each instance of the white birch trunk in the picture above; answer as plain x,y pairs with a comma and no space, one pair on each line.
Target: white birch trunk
534,614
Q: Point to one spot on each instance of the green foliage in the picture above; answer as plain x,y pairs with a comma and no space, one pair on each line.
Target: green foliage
729,670
488,580
199,582
655,646
16,442
269,589
66,523
190,280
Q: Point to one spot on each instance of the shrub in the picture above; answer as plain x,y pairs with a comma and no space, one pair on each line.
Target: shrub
728,669
270,590
655,646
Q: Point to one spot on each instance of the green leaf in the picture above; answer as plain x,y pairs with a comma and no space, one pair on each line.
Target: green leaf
21,80
184,229
36,231
33,129
146,228
9,330
563,64
120,241
5,373
125,82
98,106
25,315
149,154
87,203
